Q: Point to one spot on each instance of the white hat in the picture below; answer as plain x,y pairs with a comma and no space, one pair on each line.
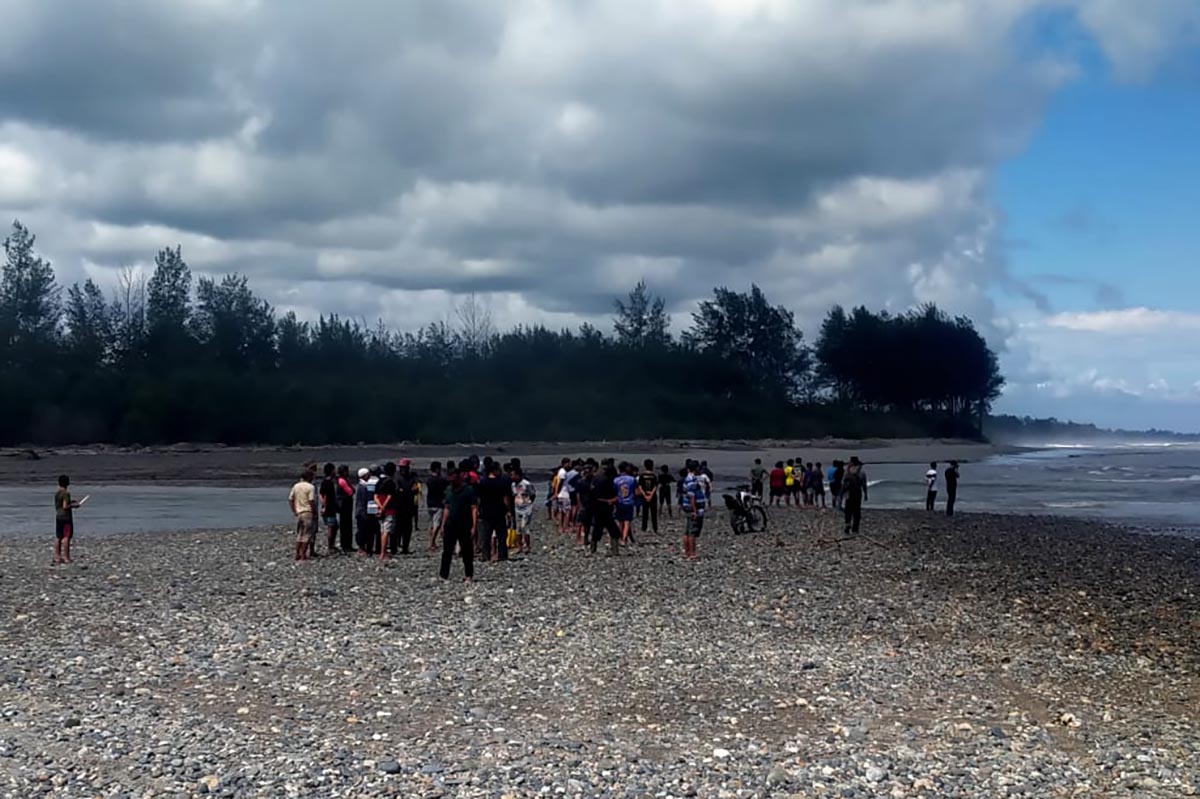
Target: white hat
364,472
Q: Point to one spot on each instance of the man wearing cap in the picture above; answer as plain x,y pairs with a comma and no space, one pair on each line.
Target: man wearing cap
365,512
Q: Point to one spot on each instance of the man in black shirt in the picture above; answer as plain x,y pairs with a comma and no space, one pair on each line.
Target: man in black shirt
435,500
495,503
406,508
665,481
647,491
329,507
951,487
855,489
604,499
585,487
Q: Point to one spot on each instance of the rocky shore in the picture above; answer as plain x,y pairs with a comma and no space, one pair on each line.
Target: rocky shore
984,657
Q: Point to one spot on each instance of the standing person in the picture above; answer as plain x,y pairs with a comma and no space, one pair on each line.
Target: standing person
328,492
931,487
435,501
303,502
495,505
837,473
418,492
626,485
695,503
524,497
406,507
313,467
829,475
647,491
585,489
854,490
951,487
573,473
778,482
665,483
810,490
789,481
818,484
562,495
365,511
758,477
683,473
345,493
385,498
705,476
604,498
460,517
64,520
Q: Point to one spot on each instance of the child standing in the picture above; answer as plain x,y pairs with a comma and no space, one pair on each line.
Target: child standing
64,520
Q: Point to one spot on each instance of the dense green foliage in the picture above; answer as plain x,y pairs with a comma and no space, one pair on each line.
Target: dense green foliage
172,359
919,361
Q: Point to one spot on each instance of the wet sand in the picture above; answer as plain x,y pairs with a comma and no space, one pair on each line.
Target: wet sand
206,464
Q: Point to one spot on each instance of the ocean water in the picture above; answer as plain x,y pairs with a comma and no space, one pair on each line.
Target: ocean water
1151,486
143,508
1144,485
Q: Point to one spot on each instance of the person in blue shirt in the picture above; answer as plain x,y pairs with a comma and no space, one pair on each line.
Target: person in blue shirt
626,485
695,503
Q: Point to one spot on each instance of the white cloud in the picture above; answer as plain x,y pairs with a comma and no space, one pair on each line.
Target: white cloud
1139,35
1128,321
547,155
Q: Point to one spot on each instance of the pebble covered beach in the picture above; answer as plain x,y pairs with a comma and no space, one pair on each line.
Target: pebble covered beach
984,656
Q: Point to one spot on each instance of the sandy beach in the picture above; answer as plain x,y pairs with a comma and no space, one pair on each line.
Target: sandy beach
991,656
207,464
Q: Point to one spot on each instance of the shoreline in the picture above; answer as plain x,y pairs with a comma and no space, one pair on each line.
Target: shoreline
991,655
189,464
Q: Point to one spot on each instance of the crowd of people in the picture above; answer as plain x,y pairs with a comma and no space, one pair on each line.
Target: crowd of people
800,484
483,509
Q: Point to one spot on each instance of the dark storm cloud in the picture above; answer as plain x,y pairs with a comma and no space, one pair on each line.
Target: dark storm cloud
126,71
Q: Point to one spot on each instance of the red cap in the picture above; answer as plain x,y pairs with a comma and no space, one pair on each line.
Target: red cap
405,462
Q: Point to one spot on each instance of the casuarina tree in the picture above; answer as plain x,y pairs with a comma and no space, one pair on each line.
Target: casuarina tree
29,300
641,319
761,341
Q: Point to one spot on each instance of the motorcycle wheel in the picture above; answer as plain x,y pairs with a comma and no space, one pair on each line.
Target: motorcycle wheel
738,523
758,519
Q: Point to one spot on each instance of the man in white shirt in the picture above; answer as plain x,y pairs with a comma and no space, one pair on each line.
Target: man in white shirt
562,495
931,486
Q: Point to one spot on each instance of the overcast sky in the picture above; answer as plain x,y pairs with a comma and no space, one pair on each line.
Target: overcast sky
379,158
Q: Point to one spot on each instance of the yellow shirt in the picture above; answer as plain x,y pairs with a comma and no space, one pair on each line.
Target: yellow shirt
790,473
302,497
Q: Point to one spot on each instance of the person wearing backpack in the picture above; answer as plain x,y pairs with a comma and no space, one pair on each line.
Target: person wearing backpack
854,490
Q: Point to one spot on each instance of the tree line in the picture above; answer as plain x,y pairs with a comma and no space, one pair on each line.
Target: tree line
167,357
